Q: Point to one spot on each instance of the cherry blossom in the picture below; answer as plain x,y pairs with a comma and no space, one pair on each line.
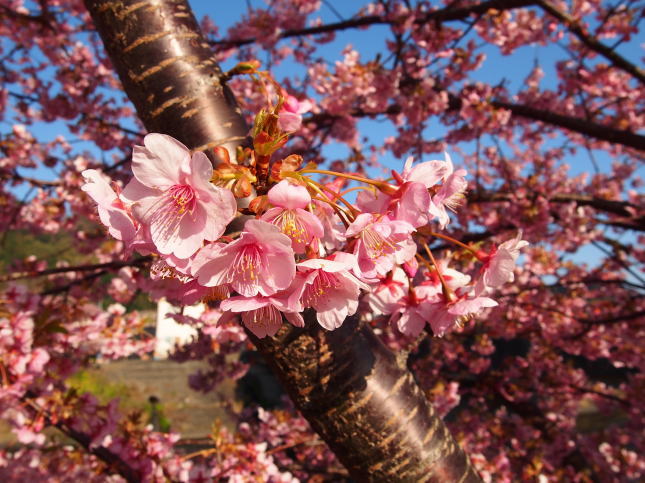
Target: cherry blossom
290,117
498,265
554,155
260,261
171,195
330,289
112,211
290,215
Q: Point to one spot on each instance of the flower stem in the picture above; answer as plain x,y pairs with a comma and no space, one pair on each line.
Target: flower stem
453,240
444,286
378,184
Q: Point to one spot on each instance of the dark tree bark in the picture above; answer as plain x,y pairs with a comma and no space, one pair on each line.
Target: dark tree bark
355,393
169,72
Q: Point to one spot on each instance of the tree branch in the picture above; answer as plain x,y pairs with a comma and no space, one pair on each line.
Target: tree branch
112,460
581,126
576,29
441,15
574,124
77,268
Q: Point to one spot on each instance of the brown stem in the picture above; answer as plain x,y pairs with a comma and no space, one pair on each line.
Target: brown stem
351,388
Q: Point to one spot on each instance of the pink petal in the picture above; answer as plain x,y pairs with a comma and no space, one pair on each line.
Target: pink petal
411,323
428,173
221,208
201,171
97,187
158,164
265,321
289,121
119,224
135,191
414,204
294,318
243,304
289,196
332,319
359,224
281,270
312,222
266,232
214,272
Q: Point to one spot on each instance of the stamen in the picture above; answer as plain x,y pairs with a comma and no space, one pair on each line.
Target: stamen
321,285
375,244
291,226
184,197
267,316
245,266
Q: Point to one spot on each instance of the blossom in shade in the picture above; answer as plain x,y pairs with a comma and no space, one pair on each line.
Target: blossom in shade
380,243
291,216
330,288
499,264
262,315
411,311
384,297
260,261
173,196
112,211
443,315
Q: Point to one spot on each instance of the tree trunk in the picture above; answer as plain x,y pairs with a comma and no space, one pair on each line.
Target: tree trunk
350,387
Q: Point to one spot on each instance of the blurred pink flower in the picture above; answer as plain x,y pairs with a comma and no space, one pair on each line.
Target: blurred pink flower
290,117
112,211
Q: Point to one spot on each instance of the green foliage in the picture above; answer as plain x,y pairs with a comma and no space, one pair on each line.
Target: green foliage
94,382
53,248
130,399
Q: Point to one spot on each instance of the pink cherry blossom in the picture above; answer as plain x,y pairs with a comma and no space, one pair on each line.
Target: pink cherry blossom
290,215
262,315
499,264
451,193
290,117
260,261
112,211
442,316
173,196
330,289
384,297
380,243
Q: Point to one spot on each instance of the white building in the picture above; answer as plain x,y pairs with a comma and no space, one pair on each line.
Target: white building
170,333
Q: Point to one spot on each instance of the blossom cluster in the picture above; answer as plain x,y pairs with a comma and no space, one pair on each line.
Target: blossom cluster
301,244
